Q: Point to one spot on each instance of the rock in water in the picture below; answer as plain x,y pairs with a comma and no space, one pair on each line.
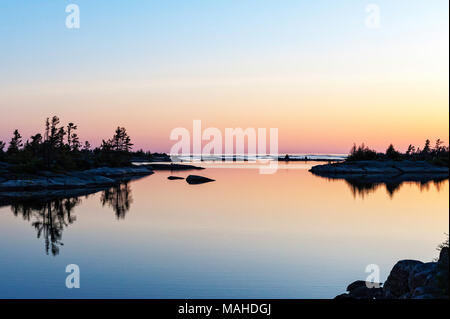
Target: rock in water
409,279
195,179
174,177
443,259
422,275
397,283
362,283
443,271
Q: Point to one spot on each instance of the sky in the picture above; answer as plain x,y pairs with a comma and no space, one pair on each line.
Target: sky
312,69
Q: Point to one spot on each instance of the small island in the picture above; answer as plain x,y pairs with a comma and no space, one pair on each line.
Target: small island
414,165
58,160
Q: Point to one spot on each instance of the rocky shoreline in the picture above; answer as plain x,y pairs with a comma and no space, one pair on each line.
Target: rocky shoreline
92,178
46,184
408,279
385,168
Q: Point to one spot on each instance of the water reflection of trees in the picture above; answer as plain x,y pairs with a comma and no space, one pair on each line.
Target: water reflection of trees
50,217
118,198
363,188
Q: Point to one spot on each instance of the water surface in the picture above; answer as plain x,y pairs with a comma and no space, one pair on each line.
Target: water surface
286,235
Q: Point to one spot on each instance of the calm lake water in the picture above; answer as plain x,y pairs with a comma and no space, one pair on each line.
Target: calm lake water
286,235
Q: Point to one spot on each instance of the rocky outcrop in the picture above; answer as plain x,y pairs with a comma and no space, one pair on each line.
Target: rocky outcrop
364,176
102,176
388,167
408,279
361,289
195,179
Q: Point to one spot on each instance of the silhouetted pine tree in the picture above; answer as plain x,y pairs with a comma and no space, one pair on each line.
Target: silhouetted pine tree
16,143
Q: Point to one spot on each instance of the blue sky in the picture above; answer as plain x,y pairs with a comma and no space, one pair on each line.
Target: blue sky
146,54
171,38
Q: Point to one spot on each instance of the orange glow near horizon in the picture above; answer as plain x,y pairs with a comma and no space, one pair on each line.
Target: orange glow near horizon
308,120
315,72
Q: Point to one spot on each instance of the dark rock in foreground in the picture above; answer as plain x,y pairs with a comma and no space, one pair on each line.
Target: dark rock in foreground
195,179
362,283
174,178
362,290
408,279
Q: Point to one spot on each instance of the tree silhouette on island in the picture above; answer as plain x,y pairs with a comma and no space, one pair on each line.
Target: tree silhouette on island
60,149
439,155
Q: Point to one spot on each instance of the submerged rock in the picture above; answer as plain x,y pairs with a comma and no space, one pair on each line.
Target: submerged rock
196,179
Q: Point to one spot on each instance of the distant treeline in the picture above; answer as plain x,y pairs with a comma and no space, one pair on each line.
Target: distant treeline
60,149
437,154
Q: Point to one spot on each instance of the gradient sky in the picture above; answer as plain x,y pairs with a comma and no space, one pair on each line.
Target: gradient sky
310,68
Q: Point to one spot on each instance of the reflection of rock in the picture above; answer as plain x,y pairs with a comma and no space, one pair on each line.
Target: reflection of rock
51,211
174,178
366,176
195,179
13,197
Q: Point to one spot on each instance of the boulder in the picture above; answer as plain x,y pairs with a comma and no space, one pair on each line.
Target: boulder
397,284
426,293
422,275
408,279
442,276
443,259
362,283
343,297
196,179
363,292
